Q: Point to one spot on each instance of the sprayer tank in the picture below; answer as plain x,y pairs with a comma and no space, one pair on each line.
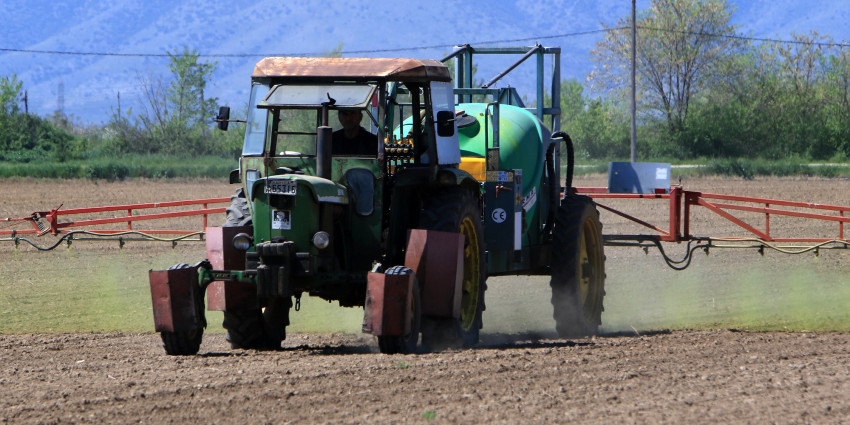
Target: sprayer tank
521,146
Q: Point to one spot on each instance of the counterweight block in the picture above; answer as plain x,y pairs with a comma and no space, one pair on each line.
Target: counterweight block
175,296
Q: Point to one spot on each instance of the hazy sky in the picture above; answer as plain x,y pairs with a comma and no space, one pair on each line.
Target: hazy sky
90,83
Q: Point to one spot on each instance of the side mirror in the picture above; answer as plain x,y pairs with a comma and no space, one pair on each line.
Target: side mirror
223,117
235,176
445,123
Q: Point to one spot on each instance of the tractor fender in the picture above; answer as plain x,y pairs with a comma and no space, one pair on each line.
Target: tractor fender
436,261
458,177
448,176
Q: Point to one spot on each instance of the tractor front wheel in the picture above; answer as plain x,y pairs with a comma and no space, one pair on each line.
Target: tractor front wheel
244,327
188,342
258,329
578,268
183,343
238,213
253,328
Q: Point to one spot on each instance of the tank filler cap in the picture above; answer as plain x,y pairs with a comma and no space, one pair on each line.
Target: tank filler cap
465,120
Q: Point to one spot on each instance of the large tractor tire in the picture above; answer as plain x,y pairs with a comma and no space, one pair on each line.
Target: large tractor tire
183,343
275,321
455,209
253,328
578,268
260,328
405,344
245,328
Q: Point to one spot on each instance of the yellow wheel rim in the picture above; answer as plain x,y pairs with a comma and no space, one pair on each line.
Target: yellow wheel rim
590,263
471,273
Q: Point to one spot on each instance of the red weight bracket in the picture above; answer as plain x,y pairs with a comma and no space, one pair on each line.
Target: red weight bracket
437,260
387,301
174,295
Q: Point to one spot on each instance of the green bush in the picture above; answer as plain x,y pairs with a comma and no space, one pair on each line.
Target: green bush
750,168
119,168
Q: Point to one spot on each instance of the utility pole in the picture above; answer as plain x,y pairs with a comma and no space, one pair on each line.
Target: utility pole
60,98
26,104
634,107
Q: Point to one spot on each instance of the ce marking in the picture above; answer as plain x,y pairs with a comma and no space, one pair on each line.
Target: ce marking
499,215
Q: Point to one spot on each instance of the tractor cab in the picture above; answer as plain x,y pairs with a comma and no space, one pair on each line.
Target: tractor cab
293,98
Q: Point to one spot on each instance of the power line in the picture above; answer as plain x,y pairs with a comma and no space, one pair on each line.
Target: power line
436,46
744,38
242,55
478,43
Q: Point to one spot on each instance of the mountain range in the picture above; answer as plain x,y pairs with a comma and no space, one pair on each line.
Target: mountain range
111,34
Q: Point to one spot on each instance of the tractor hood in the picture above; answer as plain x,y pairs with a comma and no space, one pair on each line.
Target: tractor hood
322,190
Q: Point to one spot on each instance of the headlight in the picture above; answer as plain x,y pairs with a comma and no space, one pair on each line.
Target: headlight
242,241
321,240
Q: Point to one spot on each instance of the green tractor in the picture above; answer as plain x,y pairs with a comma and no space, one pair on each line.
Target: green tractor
406,219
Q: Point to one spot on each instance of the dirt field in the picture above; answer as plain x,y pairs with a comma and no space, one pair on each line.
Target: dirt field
679,377
712,368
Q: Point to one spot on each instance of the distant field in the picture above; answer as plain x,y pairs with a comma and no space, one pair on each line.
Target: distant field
99,287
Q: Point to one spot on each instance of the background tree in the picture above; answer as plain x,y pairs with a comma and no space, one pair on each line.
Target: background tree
26,138
681,45
189,108
802,73
10,94
837,100
599,127
176,116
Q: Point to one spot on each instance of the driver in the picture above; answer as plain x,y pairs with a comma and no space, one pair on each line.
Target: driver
352,138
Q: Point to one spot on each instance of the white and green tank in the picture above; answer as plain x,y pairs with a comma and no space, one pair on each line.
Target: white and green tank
523,141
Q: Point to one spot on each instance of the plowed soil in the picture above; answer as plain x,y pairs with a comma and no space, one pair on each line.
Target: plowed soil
711,368
715,376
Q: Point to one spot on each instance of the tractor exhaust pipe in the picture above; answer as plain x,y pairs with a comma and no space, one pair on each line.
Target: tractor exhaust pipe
324,142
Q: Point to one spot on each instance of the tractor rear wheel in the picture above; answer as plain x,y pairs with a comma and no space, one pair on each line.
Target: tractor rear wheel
407,343
578,268
456,210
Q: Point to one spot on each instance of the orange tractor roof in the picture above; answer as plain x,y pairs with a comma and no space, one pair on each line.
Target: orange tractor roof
391,69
